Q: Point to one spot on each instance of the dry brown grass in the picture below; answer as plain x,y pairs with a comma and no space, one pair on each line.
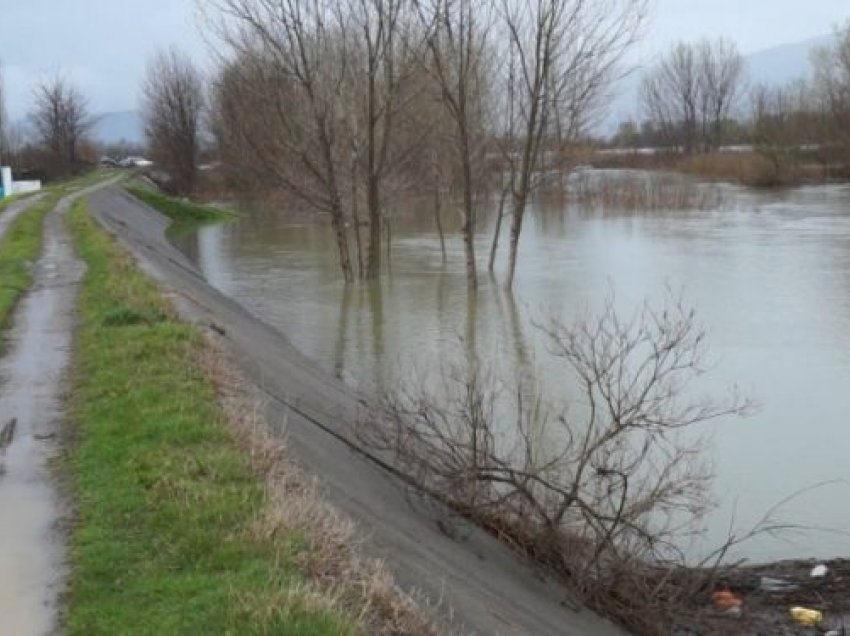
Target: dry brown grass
340,576
746,168
638,192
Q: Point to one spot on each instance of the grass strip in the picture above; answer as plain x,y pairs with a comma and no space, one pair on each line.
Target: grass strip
165,496
178,210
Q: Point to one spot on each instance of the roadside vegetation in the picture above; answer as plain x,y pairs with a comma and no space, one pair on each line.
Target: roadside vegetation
188,518
181,211
696,102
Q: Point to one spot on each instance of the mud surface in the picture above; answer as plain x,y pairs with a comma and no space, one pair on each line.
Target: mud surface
483,586
31,383
14,210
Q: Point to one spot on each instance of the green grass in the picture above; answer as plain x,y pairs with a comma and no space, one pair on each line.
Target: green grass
180,211
164,494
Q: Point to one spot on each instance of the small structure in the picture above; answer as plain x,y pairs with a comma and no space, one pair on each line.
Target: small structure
9,187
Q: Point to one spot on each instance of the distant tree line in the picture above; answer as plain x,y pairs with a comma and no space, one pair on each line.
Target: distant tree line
697,98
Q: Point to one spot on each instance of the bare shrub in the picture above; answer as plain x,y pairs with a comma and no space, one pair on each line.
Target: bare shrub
602,489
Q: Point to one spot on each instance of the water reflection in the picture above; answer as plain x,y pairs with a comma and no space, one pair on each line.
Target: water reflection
768,272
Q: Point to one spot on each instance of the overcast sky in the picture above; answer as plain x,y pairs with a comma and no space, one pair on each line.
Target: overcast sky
103,45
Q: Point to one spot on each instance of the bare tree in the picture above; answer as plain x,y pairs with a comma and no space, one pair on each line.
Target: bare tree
172,105
380,51
670,95
599,489
721,84
832,90
566,54
290,63
61,118
458,40
690,93
781,117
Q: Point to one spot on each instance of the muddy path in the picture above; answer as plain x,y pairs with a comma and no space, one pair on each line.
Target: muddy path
483,586
8,216
31,400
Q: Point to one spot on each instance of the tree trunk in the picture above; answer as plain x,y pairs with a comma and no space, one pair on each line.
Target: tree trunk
497,231
373,193
520,198
438,205
355,217
373,269
389,245
338,225
516,230
468,228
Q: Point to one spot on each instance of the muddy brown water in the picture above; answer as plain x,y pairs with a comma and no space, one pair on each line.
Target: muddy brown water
768,273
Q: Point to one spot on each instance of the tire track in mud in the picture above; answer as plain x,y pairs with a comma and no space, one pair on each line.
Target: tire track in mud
32,375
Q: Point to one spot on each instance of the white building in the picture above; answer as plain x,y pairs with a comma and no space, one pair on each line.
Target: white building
9,187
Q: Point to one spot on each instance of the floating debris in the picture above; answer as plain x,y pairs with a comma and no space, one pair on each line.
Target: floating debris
805,616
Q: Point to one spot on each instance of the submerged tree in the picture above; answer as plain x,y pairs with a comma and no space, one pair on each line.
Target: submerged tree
344,105
315,90
458,33
172,106
564,57
282,91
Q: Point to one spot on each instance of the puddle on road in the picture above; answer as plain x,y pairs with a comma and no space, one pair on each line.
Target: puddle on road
31,375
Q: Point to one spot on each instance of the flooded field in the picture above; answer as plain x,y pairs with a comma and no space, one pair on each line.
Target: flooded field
768,273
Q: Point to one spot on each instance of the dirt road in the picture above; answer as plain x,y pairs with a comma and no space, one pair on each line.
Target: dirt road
31,391
487,588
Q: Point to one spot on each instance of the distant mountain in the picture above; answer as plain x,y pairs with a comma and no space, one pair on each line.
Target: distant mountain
112,128
774,66
784,63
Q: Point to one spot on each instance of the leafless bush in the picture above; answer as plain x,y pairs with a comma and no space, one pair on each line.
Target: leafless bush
600,490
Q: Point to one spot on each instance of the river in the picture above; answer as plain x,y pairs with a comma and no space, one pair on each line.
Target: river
768,273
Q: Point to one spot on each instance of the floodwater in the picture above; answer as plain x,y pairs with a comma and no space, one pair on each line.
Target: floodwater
767,272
